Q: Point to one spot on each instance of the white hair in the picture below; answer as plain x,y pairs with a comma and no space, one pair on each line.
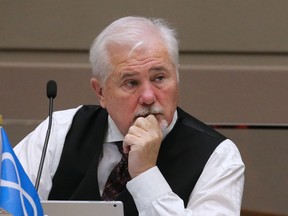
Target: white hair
129,31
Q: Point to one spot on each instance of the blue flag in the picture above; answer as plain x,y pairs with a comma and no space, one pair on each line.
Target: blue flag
17,193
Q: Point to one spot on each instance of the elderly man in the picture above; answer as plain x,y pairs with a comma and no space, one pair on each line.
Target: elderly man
173,163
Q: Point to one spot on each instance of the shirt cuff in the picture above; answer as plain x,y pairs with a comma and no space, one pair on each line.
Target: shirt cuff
148,187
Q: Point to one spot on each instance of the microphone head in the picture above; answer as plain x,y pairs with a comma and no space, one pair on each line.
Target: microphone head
51,89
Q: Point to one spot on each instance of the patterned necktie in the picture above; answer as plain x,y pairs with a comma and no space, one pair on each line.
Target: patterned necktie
118,177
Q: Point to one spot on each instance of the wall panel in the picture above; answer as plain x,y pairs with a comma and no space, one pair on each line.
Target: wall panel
224,25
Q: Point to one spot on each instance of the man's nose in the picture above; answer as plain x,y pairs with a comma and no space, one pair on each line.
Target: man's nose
147,95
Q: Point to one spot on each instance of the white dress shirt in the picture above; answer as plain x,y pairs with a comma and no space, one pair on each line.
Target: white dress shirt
218,191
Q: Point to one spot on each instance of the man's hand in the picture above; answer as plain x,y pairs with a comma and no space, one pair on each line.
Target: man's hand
143,142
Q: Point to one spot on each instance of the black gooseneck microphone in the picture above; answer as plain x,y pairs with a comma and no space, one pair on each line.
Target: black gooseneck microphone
51,94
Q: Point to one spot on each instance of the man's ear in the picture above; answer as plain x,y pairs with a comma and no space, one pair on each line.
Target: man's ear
98,90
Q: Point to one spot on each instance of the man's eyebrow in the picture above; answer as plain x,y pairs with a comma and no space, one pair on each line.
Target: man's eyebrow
128,74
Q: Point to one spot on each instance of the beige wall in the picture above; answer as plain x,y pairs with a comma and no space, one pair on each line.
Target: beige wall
233,69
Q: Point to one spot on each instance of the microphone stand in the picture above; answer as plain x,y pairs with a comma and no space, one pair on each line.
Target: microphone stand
45,144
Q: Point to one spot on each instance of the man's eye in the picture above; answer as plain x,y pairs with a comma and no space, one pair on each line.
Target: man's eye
159,78
131,83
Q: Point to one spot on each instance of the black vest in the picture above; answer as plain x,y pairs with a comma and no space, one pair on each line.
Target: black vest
182,157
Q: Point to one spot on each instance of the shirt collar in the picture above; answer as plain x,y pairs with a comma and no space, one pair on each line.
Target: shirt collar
114,135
